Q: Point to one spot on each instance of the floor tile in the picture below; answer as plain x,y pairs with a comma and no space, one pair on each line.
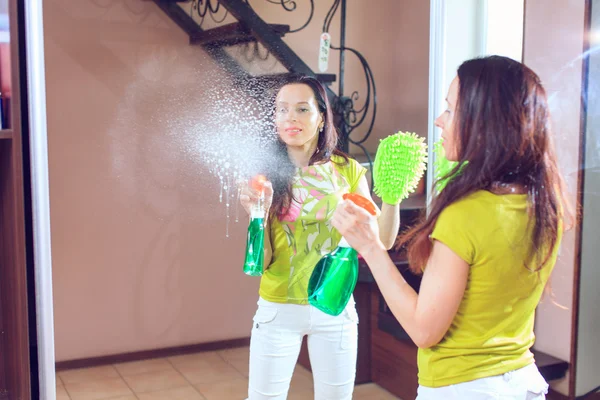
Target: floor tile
130,397
98,389
207,371
242,366
143,367
154,381
238,358
301,380
238,354
301,394
184,393
371,391
300,370
88,374
217,375
236,389
61,393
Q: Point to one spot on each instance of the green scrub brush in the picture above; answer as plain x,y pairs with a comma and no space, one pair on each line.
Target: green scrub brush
399,165
443,167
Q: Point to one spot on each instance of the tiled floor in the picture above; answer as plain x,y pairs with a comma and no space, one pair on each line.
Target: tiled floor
219,375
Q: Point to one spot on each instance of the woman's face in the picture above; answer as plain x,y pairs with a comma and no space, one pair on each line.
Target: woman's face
446,122
297,116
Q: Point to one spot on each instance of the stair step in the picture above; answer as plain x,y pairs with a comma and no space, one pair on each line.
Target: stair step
326,78
231,34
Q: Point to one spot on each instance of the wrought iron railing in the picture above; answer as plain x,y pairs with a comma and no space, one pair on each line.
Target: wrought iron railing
351,116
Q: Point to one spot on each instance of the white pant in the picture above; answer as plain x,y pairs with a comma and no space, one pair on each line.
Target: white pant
277,334
522,384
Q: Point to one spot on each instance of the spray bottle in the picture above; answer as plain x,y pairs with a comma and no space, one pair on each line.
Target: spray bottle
255,253
334,278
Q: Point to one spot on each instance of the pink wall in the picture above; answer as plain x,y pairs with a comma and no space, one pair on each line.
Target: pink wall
553,43
140,257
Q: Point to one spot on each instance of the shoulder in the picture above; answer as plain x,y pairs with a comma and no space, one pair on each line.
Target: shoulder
349,164
460,224
473,202
339,160
350,169
472,207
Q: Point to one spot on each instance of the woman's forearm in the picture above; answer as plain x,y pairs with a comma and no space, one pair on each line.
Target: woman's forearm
389,223
426,317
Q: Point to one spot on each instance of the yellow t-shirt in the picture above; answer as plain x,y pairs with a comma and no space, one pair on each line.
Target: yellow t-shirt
493,329
304,234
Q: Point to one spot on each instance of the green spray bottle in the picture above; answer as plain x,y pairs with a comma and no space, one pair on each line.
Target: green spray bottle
334,278
255,254
399,165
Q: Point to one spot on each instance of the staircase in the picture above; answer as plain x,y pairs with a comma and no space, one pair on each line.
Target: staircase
248,32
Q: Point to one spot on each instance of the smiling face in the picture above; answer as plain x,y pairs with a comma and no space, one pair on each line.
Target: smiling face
297,116
447,123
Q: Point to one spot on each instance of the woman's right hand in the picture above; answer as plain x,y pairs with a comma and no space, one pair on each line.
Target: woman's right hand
358,227
249,197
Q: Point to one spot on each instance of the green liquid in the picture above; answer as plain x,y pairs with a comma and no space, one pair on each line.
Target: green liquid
255,253
333,281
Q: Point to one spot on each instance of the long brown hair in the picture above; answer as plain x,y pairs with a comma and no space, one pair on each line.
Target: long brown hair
502,136
282,176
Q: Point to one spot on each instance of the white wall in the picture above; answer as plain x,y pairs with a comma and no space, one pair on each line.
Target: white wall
468,29
464,34
499,38
456,35
482,27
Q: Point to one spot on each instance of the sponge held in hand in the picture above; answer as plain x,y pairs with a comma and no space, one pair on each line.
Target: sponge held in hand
399,165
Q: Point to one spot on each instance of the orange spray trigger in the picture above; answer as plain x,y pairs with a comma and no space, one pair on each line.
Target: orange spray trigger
258,183
361,202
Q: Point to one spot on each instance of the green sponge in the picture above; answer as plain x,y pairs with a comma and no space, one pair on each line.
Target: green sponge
443,167
399,165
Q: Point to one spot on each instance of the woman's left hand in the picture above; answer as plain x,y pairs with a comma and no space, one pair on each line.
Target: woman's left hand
358,227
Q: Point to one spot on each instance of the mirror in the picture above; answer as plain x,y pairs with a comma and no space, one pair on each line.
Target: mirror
148,134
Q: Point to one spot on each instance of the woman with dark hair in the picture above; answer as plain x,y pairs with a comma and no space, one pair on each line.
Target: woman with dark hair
488,244
308,181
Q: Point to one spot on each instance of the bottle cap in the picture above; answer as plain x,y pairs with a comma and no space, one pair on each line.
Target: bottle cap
361,202
258,183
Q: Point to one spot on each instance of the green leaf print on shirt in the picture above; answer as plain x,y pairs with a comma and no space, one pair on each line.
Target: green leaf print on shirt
317,191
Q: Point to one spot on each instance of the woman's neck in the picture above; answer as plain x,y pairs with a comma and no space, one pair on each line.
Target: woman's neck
300,156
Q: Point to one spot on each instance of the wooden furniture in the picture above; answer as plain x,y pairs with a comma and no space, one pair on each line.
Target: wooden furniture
394,360
14,326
